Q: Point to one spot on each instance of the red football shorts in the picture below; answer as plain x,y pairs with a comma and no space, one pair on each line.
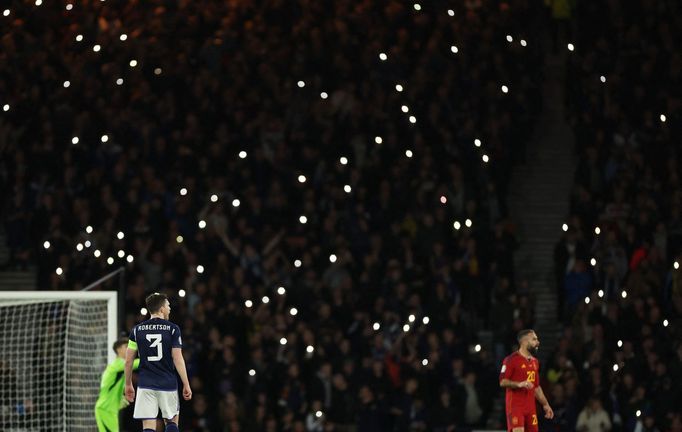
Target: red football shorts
522,419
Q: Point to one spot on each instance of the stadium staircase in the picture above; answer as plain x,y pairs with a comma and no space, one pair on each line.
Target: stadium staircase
12,279
538,199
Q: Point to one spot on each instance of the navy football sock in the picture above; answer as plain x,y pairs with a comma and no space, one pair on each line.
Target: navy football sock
172,427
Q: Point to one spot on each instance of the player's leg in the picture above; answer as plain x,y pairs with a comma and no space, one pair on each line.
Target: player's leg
146,409
531,422
106,421
169,403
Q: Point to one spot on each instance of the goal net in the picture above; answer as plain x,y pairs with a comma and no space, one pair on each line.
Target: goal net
54,347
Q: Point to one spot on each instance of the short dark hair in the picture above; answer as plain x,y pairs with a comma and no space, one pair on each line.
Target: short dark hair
523,333
155,302
119,342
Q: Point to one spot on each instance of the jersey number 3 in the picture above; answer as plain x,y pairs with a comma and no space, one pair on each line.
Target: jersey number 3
155,340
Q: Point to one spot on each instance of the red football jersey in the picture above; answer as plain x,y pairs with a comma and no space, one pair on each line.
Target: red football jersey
516,367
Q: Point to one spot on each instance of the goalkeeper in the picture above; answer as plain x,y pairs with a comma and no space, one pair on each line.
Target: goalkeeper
111,398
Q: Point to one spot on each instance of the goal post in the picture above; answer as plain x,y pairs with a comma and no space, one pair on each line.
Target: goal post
54,346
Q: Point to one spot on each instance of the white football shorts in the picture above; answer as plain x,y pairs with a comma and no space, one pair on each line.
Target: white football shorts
148,402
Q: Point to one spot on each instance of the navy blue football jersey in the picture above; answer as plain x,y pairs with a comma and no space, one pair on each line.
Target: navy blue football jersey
155,339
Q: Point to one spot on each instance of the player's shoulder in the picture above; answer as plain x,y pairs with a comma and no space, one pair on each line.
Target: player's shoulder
512,357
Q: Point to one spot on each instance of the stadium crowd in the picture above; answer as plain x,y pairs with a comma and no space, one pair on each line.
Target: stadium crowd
621,354
330,259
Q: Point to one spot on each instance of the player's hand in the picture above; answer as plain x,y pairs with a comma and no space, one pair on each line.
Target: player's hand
130,393
526,385
187,392
549,414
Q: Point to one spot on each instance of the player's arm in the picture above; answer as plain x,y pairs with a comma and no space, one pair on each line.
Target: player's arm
540,397
131,353
179,362
506,374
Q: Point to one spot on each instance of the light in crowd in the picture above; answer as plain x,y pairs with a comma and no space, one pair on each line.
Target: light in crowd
87,243
417,7
46,244
376,326
120,235
283,341
79,247
477,348
510,38
600,293
179,239
505,89
214,198
523,43
236,202
318,414
404,108
121,253
97,253
343,160
676,265
425,320
265,299
485,158
75,140
110,260
411,318
158,71
104,138
564,227
248,303
6,12
123,37
638,413
181,293
200,269
5,107
143,311
69,7
443,199
96,48
133,63
454,49
624,294
398,88
79,38
468,223
620,344
281,290
242,154
477,142
587,300
347,188
408,153
332,258
615,367
665,323
88,229
324,95
302,219
67,84
570,47
377,139
119,81
39,2
297,263
301,178
252,372
602,78
309,349
406,328
293,311
593,262
451,12
663,118
130,258
457,225
425,362
597,230
413,119
383,56
301,84
202,224
59,271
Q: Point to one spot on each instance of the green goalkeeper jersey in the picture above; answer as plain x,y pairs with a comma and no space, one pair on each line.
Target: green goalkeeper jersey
111,389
